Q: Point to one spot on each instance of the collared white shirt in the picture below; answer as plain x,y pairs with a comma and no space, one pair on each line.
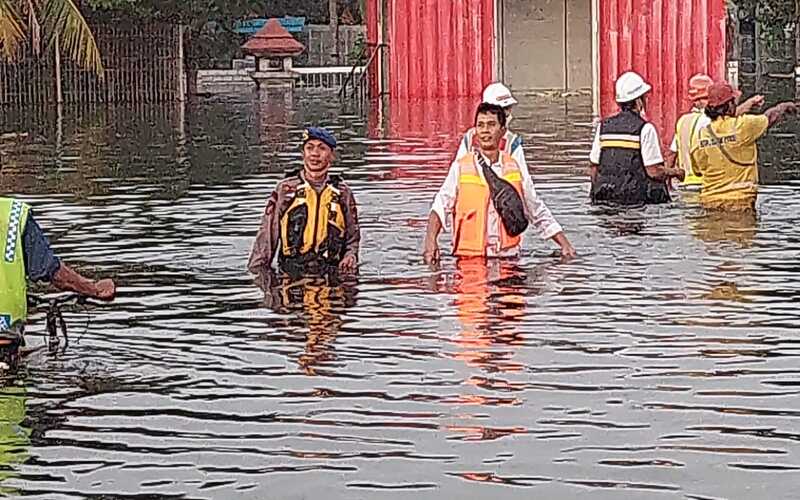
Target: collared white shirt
536,211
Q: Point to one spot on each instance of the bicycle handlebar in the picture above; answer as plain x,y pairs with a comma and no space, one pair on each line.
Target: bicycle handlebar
72,298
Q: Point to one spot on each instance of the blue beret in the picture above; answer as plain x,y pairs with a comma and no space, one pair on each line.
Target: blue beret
320,134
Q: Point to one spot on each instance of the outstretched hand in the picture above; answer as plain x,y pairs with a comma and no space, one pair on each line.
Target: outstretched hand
105,290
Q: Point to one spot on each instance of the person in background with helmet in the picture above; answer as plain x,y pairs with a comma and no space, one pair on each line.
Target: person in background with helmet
725,152
27,256
627,167
312,216
690,124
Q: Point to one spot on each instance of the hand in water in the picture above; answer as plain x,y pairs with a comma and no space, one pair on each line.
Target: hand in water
568,252
105,290
348,264
431,255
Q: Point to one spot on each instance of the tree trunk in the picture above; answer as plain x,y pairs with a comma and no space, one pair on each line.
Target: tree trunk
333,11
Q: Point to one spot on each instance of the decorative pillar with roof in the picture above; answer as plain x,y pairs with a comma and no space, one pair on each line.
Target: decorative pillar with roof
274,48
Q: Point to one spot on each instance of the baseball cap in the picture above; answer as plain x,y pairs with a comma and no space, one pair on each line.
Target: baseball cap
721,93
319,134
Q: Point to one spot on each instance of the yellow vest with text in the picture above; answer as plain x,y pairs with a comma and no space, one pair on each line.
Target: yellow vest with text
726,154
13,281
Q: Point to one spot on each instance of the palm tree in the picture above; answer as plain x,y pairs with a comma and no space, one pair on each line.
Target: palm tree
59,23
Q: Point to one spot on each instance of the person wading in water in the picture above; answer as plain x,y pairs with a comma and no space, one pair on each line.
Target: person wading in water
27,256
626,163
725,153
690,124
311,219
467,197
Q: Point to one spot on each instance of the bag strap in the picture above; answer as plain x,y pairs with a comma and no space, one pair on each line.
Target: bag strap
725,151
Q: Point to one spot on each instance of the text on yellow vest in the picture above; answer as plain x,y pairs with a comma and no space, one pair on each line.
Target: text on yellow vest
470,224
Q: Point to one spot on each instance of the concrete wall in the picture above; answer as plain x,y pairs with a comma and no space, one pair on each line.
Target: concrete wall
547,44
321,47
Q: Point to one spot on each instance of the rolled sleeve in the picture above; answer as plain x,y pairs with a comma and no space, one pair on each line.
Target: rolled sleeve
651,146
41,263
536,210
445,200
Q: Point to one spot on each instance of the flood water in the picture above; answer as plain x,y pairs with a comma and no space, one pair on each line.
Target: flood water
664,363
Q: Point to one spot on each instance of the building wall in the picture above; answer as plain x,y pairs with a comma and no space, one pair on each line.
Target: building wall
666,41
546,44
437,48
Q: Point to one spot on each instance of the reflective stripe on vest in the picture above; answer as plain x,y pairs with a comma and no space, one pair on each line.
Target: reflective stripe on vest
625,141
685,135
13,282
470,227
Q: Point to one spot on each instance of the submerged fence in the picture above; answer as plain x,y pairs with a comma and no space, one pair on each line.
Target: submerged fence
143,64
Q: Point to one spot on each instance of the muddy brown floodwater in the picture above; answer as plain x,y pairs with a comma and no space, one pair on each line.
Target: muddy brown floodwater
664,363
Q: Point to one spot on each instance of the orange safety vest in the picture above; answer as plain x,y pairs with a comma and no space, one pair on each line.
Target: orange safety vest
472,208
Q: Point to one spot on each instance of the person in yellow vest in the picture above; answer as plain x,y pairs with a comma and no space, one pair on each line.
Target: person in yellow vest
311,219
689,124
27,256
725,153
465,200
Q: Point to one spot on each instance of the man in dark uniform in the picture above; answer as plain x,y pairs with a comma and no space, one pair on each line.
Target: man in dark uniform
627,167
311,219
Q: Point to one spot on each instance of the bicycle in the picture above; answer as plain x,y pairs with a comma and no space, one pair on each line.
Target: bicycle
12,342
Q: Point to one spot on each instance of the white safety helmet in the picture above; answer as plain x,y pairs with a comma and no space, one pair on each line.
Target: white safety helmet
499,95
631,86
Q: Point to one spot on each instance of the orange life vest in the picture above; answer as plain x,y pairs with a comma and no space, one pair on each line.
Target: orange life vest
472,208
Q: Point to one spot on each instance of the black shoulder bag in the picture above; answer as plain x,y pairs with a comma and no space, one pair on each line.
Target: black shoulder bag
506,199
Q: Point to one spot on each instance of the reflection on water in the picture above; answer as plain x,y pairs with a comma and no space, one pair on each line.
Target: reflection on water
665,353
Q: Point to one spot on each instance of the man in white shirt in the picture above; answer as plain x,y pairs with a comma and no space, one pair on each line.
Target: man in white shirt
627,167
464,206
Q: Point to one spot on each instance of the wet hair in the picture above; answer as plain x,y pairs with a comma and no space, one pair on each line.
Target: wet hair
492,109
718,111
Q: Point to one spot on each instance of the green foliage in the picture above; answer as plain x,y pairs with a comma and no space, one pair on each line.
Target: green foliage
358,56
776,18
24,24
